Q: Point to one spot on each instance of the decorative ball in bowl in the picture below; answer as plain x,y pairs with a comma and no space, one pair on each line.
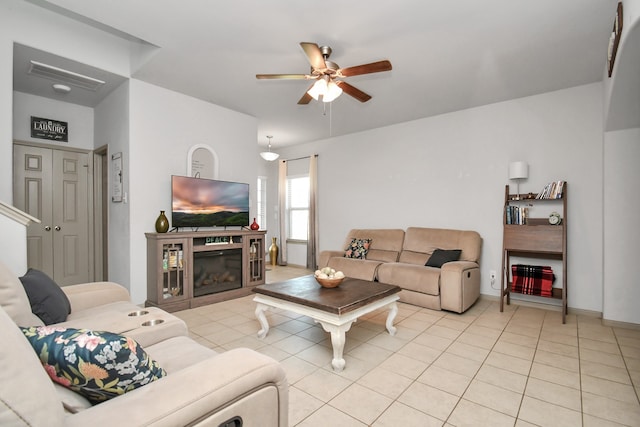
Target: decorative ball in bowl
330,283
328,277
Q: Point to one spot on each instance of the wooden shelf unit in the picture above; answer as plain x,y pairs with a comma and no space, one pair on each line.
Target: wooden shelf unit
534,239
170,265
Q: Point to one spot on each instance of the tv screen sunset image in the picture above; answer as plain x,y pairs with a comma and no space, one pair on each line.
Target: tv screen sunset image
200,202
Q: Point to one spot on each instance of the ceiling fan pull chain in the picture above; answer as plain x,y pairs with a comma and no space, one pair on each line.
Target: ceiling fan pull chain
330,119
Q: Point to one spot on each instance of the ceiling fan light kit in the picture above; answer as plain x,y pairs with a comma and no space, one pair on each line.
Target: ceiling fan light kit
269,155
327,88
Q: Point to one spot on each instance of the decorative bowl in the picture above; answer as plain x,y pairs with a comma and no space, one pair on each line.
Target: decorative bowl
329,283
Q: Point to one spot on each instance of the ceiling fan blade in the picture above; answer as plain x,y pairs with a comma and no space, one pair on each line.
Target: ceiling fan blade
374,67
306,98
283,76
314,55
353,91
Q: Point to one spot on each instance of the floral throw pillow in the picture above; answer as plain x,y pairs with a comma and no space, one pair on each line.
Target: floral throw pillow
358,248
98,365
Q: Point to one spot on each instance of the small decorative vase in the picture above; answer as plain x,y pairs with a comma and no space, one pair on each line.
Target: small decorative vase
162,223
273,252
254,225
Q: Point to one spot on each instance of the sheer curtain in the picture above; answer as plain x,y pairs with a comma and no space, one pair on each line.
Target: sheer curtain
312,238
282,209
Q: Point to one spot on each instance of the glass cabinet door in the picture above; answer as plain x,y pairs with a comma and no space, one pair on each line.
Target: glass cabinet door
173,271
256,260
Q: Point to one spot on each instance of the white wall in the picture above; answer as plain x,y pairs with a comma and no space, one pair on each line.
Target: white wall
621,175
163,126
78,117
621,231
112,130
450,171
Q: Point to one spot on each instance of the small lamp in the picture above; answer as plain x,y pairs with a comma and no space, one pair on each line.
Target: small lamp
269,156
517,171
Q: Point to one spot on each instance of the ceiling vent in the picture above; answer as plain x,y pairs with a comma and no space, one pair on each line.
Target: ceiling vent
64,76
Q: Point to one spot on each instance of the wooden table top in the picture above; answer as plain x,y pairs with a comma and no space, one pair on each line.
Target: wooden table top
350,295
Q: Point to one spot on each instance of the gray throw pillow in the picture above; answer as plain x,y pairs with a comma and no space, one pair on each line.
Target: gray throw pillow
47,300
441,256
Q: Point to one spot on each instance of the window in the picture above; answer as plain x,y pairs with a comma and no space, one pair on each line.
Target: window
261,199
298,207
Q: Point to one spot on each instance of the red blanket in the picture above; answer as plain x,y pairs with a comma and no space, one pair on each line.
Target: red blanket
532,279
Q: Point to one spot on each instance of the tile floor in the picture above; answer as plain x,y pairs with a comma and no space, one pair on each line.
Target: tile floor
519,368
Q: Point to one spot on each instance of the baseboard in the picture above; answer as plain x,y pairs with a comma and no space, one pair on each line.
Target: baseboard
619,324
543,306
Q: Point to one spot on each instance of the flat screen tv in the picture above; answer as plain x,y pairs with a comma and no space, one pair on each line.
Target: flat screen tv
198,202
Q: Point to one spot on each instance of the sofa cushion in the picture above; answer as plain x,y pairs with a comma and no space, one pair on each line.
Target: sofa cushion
99,365
14,300
411,257
72,402
411,276
382,255
177,353
362,269
357,248
386,244
47,300
427,240
442,256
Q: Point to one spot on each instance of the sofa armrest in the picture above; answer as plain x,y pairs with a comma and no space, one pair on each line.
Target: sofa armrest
459,285
325,256
240,382
89,295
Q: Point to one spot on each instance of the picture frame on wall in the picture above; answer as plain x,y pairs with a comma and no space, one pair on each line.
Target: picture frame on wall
116,174
202,162
614,39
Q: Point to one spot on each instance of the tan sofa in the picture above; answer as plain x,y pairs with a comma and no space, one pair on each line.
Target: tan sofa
398,257
201,386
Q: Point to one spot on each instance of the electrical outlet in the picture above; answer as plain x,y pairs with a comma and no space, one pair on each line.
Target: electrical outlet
492,275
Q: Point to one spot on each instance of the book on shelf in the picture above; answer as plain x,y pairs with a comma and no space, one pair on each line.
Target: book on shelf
516,215
553,190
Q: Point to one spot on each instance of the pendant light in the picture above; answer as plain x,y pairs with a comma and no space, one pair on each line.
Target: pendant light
269,155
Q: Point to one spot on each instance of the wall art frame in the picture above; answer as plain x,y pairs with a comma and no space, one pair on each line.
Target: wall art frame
116,182
202,162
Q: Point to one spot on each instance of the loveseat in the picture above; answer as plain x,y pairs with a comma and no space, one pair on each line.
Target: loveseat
198,386
436,268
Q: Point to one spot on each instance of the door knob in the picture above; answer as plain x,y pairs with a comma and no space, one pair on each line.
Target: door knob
47,228
57,228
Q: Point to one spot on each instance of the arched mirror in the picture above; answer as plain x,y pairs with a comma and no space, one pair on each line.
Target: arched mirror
202,162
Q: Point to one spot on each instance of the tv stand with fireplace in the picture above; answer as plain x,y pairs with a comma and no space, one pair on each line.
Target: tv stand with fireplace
191,269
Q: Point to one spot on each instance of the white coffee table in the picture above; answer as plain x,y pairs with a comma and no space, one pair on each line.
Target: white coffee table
335,309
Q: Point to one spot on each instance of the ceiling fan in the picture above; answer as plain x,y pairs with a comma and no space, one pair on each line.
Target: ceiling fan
325,73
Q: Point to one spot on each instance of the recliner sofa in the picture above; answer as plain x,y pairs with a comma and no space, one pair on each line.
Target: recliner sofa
202,387
398,257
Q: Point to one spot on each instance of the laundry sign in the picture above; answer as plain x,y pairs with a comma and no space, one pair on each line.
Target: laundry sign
49,129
